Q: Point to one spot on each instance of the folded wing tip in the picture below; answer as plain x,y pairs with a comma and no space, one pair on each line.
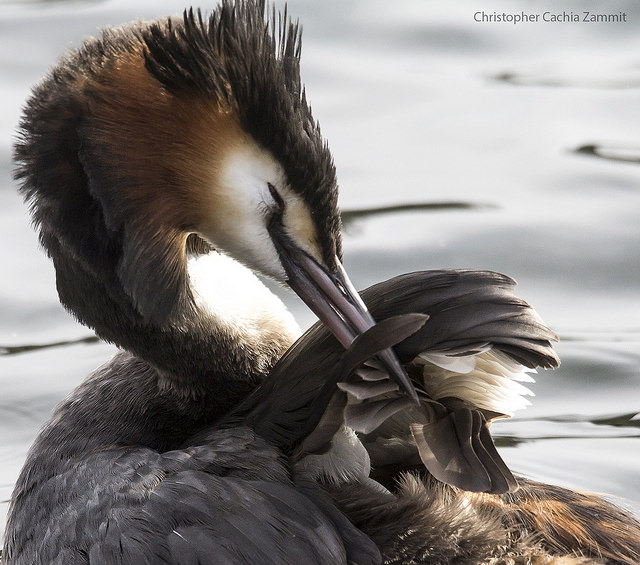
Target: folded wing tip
463,454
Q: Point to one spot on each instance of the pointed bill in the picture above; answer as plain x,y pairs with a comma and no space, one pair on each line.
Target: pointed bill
332,297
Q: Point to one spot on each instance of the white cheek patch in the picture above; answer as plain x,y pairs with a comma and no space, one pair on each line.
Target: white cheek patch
489,380
241,203
242,208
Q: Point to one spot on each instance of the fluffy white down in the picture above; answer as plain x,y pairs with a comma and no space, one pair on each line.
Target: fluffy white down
347,460
489,380
232,294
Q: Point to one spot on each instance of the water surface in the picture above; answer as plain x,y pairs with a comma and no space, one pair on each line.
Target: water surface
458,144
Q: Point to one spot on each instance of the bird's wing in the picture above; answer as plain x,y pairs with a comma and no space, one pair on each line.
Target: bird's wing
467,362
231,501
465,340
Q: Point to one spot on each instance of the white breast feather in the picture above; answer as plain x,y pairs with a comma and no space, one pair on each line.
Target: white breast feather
234,296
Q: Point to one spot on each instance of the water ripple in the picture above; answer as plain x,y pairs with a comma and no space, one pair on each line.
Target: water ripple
349,217
606,83
516,441
610,152
17,349
585,336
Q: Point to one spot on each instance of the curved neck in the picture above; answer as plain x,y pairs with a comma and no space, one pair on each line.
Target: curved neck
208,356
119,239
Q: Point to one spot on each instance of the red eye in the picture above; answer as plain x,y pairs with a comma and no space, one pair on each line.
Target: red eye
276,196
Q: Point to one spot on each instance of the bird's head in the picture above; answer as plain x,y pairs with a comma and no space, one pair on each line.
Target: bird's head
184,128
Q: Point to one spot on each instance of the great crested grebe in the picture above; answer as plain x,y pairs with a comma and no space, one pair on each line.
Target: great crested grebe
157,160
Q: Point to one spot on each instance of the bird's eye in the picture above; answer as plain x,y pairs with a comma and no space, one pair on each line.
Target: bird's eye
276,197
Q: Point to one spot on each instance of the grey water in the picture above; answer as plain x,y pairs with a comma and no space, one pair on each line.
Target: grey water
458,143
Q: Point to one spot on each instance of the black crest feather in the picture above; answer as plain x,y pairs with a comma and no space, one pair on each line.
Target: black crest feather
251,63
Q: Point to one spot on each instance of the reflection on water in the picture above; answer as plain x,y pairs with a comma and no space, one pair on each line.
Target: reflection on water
438,167
350,217
574,429
18,349
631,420
553,81
610,152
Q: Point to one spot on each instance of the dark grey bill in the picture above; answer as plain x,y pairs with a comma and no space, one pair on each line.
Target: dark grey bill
332,297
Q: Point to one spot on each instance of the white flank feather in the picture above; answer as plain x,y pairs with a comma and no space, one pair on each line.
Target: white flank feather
489,380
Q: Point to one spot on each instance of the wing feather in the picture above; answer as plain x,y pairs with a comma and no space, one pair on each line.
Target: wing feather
483,339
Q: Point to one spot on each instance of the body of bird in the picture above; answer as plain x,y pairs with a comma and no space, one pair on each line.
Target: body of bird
163,163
